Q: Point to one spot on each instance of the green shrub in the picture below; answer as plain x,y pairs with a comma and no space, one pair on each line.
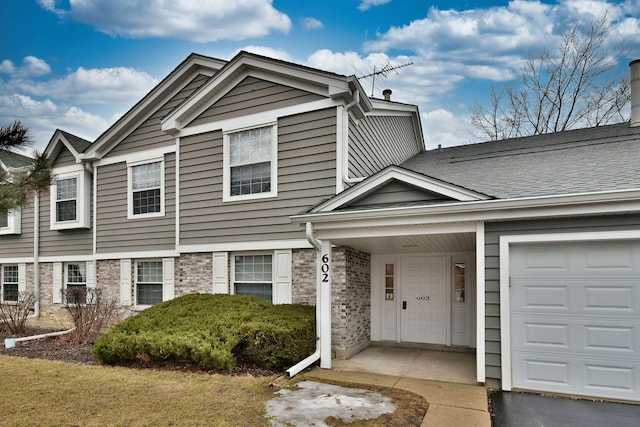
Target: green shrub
213,332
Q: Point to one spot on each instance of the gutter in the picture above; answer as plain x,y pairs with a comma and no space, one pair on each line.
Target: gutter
313,358
36,255
605,202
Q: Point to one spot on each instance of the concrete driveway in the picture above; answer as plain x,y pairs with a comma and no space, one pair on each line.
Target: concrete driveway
512,409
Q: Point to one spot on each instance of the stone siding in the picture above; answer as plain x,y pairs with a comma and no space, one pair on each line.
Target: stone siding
303,276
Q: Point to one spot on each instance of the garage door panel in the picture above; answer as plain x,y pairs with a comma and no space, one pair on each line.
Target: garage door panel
575,318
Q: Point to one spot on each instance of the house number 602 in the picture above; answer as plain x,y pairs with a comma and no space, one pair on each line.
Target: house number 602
324,268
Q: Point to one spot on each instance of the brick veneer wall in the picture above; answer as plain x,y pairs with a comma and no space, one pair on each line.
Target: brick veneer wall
303,276
195,274
50,314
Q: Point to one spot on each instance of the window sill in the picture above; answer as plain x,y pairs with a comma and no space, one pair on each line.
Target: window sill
145,216
249,197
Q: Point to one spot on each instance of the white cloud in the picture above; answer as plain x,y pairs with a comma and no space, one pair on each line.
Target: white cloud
366,4
42,117
443,128
201,21
268,51
309,23
32,67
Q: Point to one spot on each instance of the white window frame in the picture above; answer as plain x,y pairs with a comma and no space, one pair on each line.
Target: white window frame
74,284
3,283
130,166
226,173
273,269
136,283
14,220
83,196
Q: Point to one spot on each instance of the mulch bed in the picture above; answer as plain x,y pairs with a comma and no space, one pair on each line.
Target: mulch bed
64,349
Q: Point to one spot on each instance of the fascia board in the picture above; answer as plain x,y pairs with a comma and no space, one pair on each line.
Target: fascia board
623,201
155,98
229,77
403,175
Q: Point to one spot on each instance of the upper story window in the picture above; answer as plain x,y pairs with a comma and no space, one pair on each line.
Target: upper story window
146,189
70,198
250,169
66,199
10,221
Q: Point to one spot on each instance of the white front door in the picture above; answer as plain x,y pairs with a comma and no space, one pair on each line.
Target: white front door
424,310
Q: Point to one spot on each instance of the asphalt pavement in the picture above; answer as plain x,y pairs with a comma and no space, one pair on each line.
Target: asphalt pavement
512,409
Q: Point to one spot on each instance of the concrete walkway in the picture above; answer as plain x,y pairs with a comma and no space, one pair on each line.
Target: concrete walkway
450,404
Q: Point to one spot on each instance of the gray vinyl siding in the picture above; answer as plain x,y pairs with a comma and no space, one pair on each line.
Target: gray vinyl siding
251,96
116,233
62,242
306,175
64,158
149,134
19,245
493,231
376,142
396,192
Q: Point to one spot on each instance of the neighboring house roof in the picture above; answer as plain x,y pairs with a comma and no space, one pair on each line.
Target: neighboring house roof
11,160
603,158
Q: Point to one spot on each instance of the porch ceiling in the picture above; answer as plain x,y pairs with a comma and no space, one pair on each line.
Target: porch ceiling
425,243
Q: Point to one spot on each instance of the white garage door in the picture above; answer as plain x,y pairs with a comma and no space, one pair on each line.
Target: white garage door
575,318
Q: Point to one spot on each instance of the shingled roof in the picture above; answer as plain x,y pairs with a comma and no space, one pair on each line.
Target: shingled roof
605,158
14,160
79,144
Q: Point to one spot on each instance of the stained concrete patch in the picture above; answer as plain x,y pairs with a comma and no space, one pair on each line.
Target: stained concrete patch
315,402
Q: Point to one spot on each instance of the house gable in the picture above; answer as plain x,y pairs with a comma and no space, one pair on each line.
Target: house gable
65,149
281,74
159,96
395,185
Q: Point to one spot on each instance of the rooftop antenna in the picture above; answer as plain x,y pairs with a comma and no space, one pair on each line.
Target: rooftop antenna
386,69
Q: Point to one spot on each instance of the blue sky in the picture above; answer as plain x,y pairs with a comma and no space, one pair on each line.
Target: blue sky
78,65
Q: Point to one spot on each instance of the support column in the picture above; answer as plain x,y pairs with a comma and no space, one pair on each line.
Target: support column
324,302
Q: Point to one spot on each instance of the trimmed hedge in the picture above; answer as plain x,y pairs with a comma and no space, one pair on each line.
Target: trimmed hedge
213,332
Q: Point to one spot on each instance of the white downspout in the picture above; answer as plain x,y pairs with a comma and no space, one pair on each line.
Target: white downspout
303,364
36,254
345,136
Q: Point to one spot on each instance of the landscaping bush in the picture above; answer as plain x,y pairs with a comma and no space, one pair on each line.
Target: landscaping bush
213,332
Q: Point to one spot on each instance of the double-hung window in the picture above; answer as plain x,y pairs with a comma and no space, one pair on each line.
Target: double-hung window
146,189
76,282
66,199
10,283
148,282
250,164
253,275
70,196
10,221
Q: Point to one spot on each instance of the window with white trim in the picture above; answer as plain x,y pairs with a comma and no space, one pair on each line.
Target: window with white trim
253,275
250,169
75,275
148,282
146,189
66,199
70,196
4,219
10,283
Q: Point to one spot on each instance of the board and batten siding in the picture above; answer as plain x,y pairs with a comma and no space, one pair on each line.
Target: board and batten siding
116,233
19,245
306,175
376,142
149,134
253,95
493,231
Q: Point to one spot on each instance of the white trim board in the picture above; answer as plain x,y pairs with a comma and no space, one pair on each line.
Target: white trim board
245,246
505,295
